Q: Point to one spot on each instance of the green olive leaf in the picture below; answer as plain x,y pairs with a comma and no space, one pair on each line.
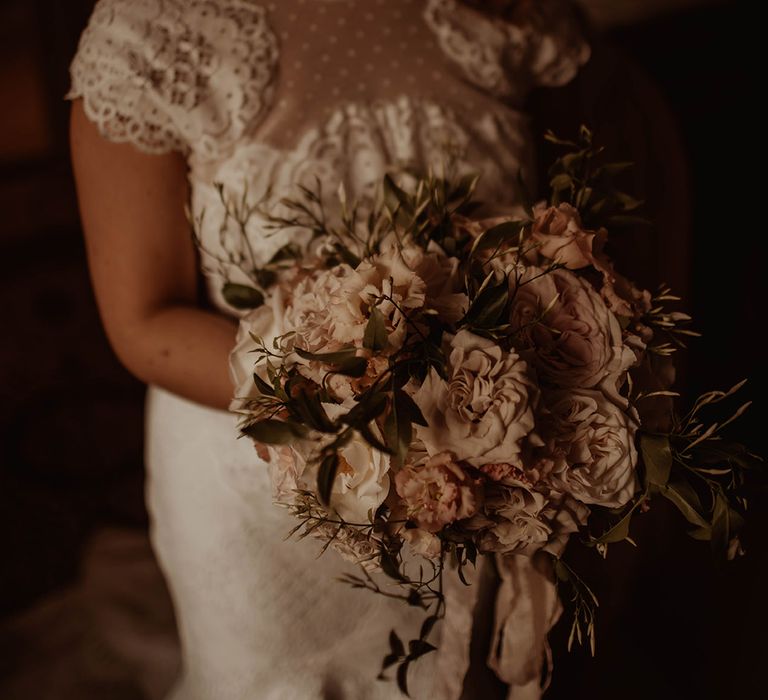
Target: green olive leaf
241,296
375,336
275,432
679,493
657,457
326,475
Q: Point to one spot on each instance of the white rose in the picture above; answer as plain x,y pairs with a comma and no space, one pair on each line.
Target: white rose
482,413
362,479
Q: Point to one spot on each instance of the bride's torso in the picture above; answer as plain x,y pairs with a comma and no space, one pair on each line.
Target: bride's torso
264,97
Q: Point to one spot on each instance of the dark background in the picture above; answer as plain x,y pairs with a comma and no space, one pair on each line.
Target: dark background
675,92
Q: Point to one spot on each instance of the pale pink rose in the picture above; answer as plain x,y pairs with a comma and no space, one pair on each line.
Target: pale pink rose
578,342
436,493
362,481
592,442
482,413
423,543
560,236
330,310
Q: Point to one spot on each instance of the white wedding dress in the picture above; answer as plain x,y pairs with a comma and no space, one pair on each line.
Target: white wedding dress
261,97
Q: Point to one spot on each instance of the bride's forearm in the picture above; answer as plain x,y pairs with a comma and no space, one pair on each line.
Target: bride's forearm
144,267
183,349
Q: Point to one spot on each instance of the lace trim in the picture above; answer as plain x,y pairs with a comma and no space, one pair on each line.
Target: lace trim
187,75
539,44
356,145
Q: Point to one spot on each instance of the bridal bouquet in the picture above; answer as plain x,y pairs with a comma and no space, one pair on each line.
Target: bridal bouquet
428,385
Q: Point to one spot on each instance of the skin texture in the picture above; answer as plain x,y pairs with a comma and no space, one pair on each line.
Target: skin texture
144,268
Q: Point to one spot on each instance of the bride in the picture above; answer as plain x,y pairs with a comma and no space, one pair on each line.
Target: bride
171,97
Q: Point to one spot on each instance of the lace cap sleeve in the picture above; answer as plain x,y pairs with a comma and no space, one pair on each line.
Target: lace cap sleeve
186,75
537,42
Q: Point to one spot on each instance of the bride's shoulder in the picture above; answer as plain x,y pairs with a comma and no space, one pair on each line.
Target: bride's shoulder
187,75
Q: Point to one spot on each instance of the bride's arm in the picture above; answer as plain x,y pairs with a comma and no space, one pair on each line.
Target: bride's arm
144,269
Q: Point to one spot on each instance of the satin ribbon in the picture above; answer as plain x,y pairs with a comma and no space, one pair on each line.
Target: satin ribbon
526,608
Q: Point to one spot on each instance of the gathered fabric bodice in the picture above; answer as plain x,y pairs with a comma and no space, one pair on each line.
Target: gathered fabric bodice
264,97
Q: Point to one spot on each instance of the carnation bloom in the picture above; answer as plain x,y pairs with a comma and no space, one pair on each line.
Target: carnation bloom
436,493
442,281
500,471
421,542
384,275
330,310
592,447
286,467
520,519
482,412
307,315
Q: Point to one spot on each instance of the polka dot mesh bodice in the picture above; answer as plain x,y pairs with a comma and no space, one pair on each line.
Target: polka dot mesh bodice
334,51
264,96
